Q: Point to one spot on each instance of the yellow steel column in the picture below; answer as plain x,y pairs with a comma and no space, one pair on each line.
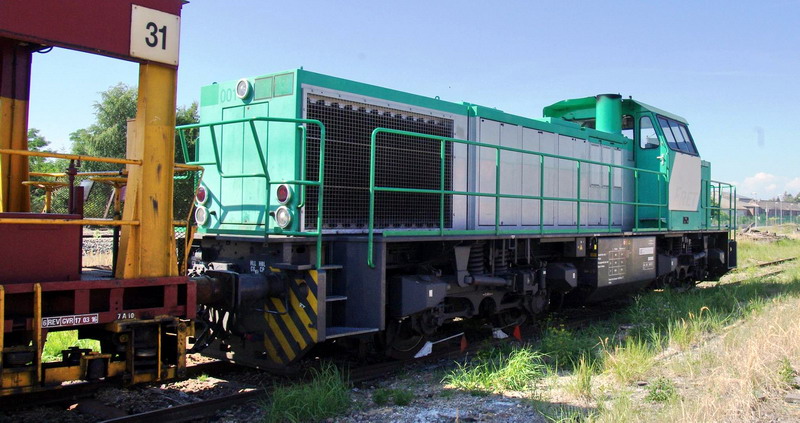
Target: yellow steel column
15,80
148,250
38,342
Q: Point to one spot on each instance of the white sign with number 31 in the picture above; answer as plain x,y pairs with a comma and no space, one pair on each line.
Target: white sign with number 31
155,35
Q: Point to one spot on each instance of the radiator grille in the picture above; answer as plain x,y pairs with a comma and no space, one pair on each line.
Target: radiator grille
401,161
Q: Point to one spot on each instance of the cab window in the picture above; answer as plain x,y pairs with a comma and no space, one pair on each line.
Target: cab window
677,135
627,126
647,133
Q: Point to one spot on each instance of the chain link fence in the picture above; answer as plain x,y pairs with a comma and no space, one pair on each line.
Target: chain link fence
99,199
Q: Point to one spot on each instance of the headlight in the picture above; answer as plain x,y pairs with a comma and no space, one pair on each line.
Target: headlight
283,217
243,88
201,215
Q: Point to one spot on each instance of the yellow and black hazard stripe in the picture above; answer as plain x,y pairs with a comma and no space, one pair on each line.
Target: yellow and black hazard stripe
292,321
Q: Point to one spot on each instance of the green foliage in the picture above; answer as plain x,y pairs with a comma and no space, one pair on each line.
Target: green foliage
400,397
185,116
495,370
326,395
107,136
661,390
63,340
582,374
37,142
631,360
786,371
561,413
185,183
564,348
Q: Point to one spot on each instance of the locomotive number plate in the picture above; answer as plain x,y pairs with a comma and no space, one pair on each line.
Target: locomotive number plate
71,320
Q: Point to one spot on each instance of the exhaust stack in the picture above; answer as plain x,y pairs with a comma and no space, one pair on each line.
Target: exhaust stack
609,113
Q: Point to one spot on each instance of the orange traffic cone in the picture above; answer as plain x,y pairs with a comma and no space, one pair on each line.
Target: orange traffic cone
517,333
463,343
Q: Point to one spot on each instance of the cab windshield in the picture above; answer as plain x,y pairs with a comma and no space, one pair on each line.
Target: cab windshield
677,135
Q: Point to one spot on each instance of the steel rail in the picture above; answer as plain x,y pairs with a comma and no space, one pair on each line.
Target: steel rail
193,411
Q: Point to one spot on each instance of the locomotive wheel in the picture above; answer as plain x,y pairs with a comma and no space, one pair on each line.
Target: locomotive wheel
402,342
509,319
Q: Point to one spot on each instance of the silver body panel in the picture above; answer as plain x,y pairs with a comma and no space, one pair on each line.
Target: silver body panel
521,173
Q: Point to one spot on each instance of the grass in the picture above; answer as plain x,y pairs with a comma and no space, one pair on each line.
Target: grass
732,346
562,413
564,348
629,361
401,397
63,340
786,372
661,390
582,375
325,396
497,370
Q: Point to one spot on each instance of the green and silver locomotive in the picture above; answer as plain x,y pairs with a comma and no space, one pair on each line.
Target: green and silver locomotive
332,209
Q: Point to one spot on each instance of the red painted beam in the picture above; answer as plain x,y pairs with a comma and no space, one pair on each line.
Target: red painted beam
95,26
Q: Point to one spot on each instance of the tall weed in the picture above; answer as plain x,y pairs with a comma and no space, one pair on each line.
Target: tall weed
327,395
496,370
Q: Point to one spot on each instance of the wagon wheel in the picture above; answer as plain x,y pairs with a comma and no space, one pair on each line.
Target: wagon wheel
403,342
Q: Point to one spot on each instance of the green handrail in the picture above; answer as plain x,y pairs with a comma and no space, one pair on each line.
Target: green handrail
265,171
441,231
715,188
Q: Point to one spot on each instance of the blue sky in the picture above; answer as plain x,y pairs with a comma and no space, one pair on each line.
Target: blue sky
729,67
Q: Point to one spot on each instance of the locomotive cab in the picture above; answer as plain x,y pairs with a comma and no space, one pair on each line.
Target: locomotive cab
661,143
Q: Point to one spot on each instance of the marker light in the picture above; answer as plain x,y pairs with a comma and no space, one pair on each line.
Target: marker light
283,217
201,215
202,195
284,193
243,88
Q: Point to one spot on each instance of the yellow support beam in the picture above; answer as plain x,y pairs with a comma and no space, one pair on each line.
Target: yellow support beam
70,156
15,80
148,250
88,222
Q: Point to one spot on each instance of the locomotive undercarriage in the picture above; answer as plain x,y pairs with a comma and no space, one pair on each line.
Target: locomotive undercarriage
265,305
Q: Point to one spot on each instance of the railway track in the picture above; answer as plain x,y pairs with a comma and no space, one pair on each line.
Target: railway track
760,266
445,352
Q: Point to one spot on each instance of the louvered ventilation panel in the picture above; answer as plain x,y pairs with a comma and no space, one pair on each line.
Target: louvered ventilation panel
401,162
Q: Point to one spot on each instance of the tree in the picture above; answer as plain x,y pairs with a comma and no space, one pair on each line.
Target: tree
185,182
185,116
107,136
37,142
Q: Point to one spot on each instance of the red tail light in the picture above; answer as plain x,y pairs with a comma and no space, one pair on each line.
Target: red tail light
201,195
284,193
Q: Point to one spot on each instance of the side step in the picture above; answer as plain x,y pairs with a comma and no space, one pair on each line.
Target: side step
342,331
